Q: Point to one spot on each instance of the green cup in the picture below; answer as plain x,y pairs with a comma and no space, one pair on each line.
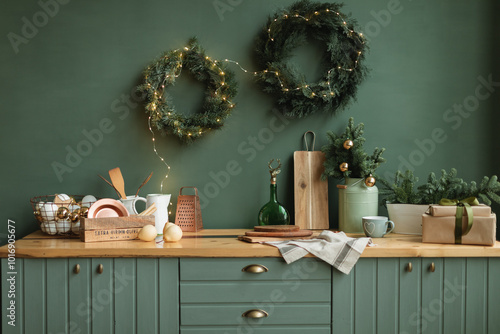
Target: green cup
377,226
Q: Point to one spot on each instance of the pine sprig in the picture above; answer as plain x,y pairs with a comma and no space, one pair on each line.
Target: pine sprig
448,185
360,164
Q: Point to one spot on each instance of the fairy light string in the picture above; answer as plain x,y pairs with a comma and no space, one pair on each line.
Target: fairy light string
172,66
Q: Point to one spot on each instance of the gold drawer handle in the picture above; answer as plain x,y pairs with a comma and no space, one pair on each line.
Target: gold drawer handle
432,267
100,268
255,269
255,314
76,269
409,267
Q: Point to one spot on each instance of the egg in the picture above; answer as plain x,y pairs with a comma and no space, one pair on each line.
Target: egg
75,227
63,227
50,228
42,227
172,233
48,211
88,200
147,233
39,205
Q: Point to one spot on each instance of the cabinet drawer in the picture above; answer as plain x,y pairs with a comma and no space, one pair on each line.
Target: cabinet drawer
245,291
257,329
223,269
279,314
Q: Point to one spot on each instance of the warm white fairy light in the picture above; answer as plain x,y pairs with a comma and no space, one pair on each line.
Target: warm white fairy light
328,82
160,157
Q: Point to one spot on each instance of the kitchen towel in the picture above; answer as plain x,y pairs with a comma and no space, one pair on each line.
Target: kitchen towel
337,249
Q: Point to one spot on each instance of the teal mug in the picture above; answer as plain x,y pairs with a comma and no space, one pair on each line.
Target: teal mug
377,226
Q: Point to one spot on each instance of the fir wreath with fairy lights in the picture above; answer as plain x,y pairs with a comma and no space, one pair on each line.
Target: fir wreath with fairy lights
345,51
220,90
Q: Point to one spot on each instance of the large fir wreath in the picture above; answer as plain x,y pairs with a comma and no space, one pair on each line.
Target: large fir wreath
345,52
217,105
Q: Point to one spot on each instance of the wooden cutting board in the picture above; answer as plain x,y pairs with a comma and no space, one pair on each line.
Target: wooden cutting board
264,239
300,233
311,193
276,228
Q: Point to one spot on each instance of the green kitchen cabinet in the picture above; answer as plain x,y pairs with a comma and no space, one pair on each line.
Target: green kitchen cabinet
93,295
216,295
417,295
223,292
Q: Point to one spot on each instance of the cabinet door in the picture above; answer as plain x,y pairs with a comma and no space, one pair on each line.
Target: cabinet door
146,296
80,306
378,296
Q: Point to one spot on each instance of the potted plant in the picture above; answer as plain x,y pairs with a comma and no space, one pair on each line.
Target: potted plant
406,202
345,158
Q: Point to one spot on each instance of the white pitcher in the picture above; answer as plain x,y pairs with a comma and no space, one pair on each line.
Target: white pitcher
130,202
161,215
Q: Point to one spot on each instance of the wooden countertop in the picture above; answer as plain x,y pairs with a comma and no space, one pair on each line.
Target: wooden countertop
224,243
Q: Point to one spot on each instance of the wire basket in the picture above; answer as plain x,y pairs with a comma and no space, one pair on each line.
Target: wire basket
60,214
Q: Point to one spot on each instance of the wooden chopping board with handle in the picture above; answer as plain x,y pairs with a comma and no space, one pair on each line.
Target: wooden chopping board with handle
310,192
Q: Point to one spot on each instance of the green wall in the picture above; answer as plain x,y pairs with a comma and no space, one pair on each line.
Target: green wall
83,62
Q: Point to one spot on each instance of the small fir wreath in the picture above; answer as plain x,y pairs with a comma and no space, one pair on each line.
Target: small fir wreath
217,105
344,56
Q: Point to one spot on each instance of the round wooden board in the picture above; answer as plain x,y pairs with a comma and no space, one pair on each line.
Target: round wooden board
276,228
300,233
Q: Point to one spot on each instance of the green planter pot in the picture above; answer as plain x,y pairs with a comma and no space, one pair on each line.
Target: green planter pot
355,202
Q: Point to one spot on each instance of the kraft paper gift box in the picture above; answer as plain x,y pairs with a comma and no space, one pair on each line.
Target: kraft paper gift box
438,225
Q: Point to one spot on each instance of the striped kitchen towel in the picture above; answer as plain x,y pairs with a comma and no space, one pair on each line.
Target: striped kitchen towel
337,249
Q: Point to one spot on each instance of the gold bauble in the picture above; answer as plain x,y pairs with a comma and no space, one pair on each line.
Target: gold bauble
348,144
344,166
38,216
84,212
74,216
370,181
62,213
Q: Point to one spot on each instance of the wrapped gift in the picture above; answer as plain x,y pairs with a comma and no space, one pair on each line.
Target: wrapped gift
470,225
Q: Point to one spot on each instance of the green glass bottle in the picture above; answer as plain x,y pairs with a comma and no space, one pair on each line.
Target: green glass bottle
273,213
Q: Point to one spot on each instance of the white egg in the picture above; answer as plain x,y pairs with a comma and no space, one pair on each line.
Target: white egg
75,227
63,227
172,233
88,200
51,228
147,233
39,205
42,227
48,211
73,207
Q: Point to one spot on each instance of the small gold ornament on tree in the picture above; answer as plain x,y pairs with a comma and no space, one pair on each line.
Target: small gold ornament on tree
344,166
370,181
348,144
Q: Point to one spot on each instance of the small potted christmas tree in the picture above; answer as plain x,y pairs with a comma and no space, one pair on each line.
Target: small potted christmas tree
345,158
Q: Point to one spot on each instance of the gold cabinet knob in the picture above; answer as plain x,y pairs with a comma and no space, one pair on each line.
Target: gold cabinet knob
432,267
76,269
255,269
255,314
409,267
100,268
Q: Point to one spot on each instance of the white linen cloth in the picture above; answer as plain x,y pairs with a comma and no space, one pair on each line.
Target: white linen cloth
337,249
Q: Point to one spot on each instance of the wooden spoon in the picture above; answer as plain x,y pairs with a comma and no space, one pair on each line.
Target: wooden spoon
102,177
143,183
117,179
